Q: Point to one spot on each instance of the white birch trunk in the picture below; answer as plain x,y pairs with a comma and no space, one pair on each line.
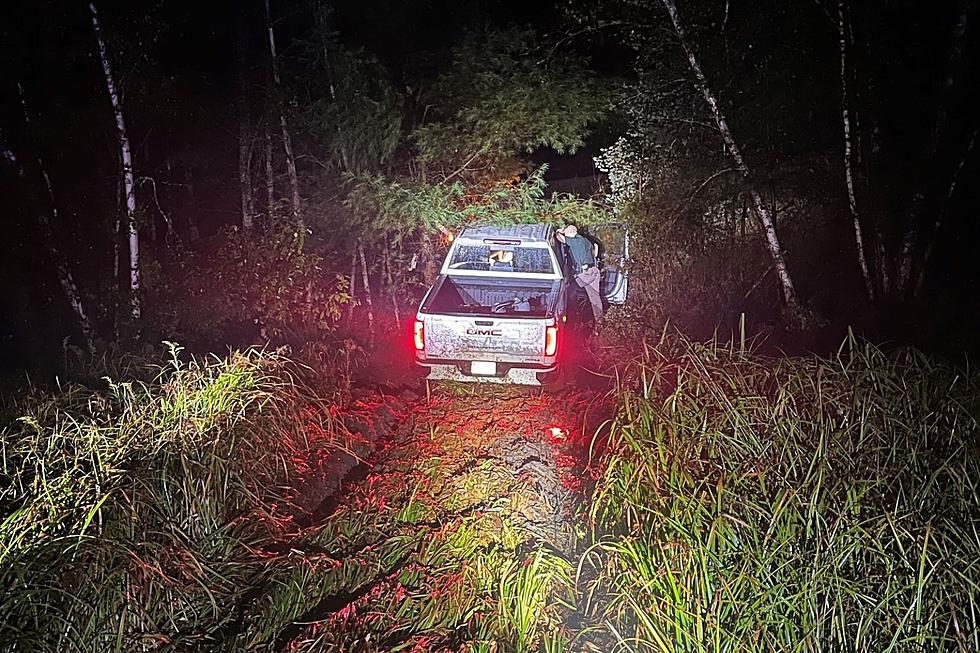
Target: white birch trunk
286,140
761,210
848,161
366,283
117,240
127,165
858,147
65,276
883,265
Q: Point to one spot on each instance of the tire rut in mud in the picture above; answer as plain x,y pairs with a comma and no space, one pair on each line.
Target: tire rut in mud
426,529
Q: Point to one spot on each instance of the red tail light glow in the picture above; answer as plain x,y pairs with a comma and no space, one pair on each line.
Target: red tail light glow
418,335
550,340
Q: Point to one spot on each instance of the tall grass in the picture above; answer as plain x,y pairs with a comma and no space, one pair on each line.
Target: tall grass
742,503
184,514
142,515
754,504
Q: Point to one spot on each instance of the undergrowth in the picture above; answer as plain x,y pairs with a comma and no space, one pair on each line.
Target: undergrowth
144,515
733,503
795,504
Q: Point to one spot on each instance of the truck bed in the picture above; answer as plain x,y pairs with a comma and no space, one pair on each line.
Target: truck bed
483,296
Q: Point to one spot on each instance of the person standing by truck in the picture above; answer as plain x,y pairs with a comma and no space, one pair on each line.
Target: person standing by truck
583,253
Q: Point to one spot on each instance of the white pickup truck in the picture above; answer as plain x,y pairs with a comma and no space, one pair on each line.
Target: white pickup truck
499,309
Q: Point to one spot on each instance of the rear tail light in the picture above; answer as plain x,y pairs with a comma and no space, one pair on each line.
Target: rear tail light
550,340
418,335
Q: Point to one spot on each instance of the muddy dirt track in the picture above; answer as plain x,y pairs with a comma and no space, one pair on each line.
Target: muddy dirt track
455,522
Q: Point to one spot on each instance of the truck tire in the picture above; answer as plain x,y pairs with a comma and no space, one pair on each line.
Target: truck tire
558,380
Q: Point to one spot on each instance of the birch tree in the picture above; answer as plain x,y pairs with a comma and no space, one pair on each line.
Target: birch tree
245,139
129,184
366,283
905,249
286,140
65,277
761,211
842,32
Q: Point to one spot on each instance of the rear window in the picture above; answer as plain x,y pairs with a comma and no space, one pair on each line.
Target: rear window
502,258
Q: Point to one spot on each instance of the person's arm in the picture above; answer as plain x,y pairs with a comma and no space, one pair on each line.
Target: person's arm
560,235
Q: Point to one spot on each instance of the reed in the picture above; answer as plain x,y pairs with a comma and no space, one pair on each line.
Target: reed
140,515
796,504
742,503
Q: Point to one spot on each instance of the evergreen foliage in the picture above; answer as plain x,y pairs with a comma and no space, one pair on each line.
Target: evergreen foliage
355,113
391,208
503,95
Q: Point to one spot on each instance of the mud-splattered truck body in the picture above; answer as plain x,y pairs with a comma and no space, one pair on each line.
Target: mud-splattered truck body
496,312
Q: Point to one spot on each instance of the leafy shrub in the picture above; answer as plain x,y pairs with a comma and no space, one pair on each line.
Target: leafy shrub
249,286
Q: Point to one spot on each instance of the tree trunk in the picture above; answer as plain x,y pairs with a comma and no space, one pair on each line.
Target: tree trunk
366,283
351,290
911,238
742,227
171,235
286,140
245,139
941,214
848,167
270,178
758,206
65,277
193,233
127,167
884,270
324,28
428,256
855,93
245,171
117,244
391,288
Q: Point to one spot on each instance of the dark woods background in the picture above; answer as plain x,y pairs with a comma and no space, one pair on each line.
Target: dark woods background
409,119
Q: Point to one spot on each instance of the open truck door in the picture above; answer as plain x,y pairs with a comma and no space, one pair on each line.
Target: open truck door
613,239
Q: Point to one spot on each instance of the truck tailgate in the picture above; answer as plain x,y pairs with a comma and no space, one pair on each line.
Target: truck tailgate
504,339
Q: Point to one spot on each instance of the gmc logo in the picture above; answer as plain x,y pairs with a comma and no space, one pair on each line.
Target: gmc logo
484,332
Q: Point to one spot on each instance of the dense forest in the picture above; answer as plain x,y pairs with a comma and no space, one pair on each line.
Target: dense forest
806,164
220,218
